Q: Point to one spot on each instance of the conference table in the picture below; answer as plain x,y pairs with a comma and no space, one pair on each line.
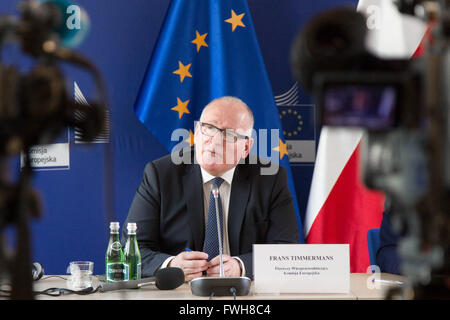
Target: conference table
360,289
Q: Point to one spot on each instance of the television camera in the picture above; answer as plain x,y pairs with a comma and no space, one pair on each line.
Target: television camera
35,108
403,105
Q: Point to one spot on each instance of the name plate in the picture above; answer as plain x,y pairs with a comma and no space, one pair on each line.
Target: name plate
301,268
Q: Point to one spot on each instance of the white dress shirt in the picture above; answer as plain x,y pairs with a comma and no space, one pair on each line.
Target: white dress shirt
225,191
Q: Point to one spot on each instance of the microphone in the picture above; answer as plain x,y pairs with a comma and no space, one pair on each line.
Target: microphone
164,279
220,286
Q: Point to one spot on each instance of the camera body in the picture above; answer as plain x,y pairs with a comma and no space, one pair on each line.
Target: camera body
33,107
388,105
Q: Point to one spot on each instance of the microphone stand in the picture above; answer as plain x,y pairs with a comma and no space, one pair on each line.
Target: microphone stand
220,286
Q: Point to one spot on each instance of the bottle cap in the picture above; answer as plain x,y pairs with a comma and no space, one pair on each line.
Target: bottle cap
132,226
114,225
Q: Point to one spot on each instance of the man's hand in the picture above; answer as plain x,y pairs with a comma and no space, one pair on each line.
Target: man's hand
231,267
192,263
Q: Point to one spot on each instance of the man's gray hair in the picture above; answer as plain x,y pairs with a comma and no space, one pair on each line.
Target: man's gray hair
234,100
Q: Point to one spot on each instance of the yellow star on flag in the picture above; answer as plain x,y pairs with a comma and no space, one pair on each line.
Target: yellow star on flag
190,140
235,20
183,71
200,40
282,149
181,107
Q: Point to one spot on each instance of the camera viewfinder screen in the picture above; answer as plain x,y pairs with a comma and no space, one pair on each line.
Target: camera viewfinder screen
366,106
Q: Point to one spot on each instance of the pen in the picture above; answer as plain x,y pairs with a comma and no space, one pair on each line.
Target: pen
187,249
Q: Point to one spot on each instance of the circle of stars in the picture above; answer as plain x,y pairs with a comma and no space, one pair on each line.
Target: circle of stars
299,119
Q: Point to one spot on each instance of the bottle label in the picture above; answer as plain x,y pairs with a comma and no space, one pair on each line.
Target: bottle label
138,271
132,271
127,271
115,271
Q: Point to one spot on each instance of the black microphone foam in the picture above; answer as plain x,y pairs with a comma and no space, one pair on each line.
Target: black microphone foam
169,278
330,41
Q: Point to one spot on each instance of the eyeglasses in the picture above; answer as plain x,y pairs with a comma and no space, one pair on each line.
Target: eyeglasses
229,135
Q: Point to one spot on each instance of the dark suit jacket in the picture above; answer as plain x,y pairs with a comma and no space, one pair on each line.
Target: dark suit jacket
388,258
168,210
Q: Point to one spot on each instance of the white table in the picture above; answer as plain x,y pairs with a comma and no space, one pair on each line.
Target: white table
359,289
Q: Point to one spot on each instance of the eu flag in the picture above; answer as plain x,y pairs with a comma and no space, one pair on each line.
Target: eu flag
208,49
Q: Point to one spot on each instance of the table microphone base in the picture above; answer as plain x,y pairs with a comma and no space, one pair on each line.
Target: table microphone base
220,286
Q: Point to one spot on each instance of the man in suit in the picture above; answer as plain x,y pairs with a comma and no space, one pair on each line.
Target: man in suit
171,205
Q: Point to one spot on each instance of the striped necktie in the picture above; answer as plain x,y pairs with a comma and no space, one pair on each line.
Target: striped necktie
211,245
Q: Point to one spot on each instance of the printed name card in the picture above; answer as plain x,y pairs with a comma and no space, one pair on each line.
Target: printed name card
301,268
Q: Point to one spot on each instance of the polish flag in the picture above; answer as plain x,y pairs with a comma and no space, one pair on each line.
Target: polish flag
340,208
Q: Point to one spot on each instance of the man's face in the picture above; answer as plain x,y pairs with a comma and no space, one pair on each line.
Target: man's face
215,154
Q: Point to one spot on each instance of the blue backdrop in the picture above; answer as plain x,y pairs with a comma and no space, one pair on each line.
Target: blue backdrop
74,225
